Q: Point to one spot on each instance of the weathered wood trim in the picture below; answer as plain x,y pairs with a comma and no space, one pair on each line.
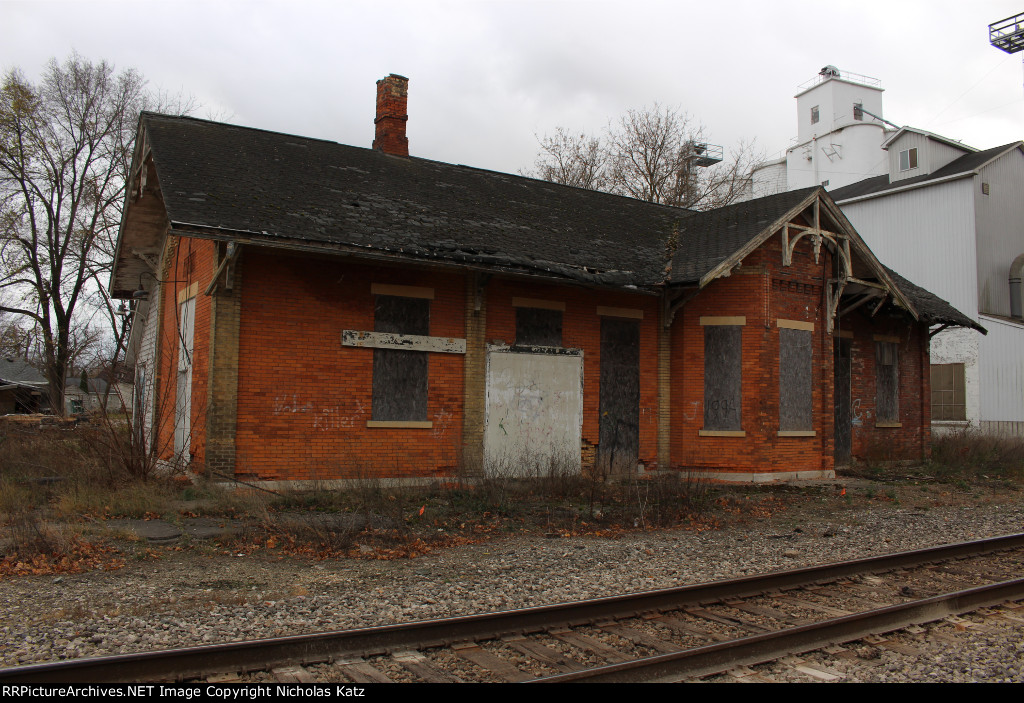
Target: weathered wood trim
797,433
537,303
888,424
795,325
407,424
629,313
404,342
738,320
843,334
722,433
729,263
187,293
401,291
886,338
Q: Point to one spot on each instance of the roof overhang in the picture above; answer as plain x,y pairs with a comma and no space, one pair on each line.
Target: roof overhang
841,238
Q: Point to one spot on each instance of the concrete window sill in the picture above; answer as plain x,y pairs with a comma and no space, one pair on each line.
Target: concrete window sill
398,424
722,433
798,433
888,424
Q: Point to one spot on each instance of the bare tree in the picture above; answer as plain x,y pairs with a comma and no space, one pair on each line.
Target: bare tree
65,148
572,160
655,154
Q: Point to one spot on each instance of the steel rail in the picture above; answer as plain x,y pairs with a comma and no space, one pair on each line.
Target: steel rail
255,655
757,649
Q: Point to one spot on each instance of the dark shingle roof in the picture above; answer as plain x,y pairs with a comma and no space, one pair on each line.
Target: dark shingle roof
706,239
879,184
281,186
932,309
275,186
20,371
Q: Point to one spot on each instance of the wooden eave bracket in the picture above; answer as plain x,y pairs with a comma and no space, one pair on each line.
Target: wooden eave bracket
151,261
940,328
672,304
228,264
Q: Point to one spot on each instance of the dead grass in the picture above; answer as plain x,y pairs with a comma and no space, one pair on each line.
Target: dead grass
968,453
72,476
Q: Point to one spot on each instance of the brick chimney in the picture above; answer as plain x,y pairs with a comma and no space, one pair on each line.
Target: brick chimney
392,114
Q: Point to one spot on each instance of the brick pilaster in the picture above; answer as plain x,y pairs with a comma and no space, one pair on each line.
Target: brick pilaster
474,380
222,389
664,389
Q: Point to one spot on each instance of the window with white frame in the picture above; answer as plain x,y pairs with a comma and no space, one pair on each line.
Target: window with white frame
908,159
814,115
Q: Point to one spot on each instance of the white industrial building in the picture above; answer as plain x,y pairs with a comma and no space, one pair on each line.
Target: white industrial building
945,215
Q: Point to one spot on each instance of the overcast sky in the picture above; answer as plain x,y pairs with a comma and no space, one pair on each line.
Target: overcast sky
487,76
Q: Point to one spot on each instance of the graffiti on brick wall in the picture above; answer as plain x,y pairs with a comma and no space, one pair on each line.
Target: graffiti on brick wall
321,418
442,422
694,412
856,418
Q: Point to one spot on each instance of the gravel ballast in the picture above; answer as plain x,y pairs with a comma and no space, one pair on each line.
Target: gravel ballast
203,595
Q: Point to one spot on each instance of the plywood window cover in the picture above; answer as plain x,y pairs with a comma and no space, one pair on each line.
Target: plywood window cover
723,321
401,291
795,325
628,313
401,424
402,342
538,303
187,293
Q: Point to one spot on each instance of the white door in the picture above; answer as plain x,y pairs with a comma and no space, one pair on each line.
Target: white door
183,401
534,413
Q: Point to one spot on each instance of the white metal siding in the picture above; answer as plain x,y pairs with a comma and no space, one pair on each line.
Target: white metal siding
1000,226
1002,371
908,140
927,235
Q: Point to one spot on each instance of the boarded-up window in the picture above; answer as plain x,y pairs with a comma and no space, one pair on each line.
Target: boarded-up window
538,327
948,397
723,369
400,377
887,381
795,391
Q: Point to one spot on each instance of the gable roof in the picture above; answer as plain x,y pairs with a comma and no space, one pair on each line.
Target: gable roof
924,133
961,166
226,182
706,239
275,188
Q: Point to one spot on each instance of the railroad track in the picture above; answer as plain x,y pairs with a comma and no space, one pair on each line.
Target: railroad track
668,634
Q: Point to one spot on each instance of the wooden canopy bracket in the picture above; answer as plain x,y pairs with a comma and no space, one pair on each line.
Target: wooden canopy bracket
833,296
674,304
932,333
228,262
149,259
840,243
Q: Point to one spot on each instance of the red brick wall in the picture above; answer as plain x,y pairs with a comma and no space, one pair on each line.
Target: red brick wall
304,399
187,262
912,440
762,290
581,329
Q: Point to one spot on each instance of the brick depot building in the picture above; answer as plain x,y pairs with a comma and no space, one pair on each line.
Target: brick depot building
306,310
